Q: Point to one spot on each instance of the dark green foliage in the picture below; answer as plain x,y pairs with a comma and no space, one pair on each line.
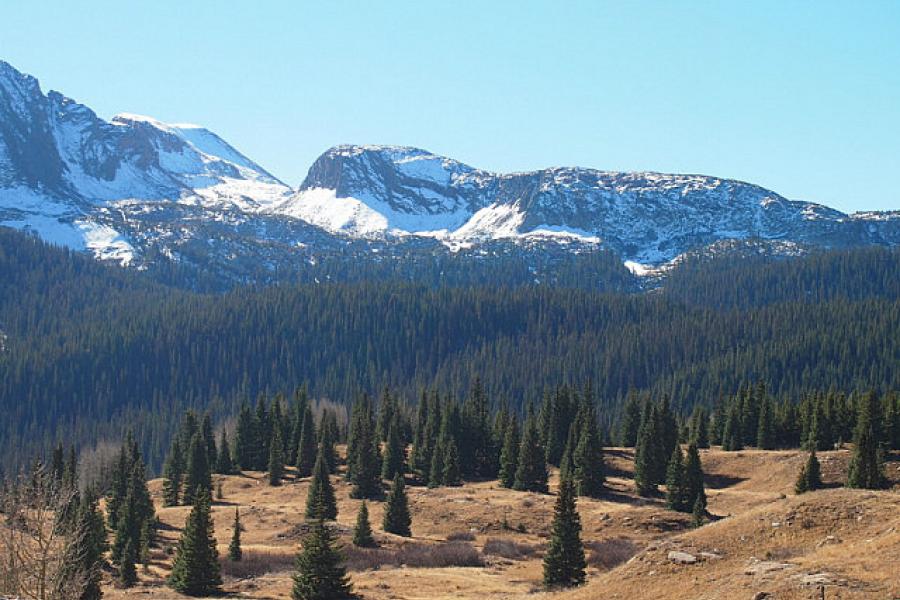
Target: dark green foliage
765,432
866,465
700,427
307,449
245,439
224,463
564,562
630,421
84,555
436,470
327,438
451,472
320,574
531,474
693,487
397,519
589,473
698,513
394,450
676,498
509,455
810,477
362,533
276,457
195,570
234,547
172,475
127,560
198,478
320,500
209,439
156,351
732,435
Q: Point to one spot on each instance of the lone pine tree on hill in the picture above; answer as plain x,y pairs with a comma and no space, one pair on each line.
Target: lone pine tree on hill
173,471
397,519
320,574
564,563
195,570
810,478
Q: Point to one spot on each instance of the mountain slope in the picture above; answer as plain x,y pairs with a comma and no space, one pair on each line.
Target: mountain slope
646,217
142,192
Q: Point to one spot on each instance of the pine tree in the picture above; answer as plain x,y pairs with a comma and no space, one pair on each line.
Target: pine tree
209,439
645,454
366,479
245,438
694,490
198,478
810,478
675,496
765,434
866,468
320,500
276,457
307,450
263,434
588,459
509,455
700,427
320,574
397,519
327,437
698,512
531,474
172,474
224,463
195,570
127,571
564,562
732,436
234,548
394,452
84,555
631,421
436,470
451,475
362,533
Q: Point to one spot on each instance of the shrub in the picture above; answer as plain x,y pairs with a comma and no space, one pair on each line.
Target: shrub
425,556
255,563
461,536
607,554
507,548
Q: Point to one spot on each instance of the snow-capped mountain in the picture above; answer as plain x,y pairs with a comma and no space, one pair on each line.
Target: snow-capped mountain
139,192
646,217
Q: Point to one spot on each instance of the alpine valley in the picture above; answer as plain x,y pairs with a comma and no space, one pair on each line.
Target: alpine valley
147,194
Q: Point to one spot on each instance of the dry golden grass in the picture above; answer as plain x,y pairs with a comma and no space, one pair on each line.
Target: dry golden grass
763,526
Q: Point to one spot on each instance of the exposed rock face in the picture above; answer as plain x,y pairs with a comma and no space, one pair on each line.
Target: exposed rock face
139,191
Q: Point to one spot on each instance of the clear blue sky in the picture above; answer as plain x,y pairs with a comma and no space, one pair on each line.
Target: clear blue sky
801,97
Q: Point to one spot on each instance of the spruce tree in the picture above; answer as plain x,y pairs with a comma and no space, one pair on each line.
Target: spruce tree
245,438
276,457
564,562
765,434
209,439
224,463
698,512
84,555
693,487
320,500
645,455
307,449
631,421
366,479
234,547
675,495
127,560
588,459
198,478
700,427
172,474
810,478
362,533
397,519
436,470
732,436
866,468
394,452
327,437
451,475
509,455
195,570
531,474
320,574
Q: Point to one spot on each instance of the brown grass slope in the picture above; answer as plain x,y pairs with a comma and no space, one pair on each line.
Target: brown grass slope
483,541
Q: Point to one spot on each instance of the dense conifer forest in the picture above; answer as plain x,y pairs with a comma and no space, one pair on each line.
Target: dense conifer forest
86,348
